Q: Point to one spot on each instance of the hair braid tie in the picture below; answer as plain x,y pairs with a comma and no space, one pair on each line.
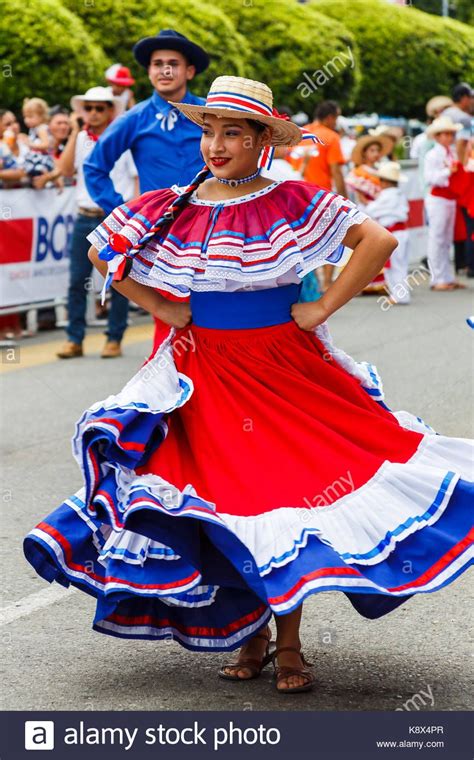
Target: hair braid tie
119,251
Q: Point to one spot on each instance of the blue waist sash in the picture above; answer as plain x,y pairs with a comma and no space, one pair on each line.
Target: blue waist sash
244,308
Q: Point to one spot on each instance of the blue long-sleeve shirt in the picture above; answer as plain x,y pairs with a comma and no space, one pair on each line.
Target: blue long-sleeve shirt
163,156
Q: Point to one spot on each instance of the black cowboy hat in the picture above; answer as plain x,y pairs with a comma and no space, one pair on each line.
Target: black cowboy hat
168,39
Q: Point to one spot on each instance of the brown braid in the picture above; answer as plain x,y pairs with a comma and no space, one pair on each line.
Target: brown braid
119,244
174,209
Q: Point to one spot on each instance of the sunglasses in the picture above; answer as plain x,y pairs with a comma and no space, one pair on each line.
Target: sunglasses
99,109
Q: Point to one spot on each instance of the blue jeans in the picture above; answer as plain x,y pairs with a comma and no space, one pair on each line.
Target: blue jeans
80,270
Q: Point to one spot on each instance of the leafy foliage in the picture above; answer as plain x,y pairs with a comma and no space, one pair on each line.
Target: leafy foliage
407,56
117,24
291,42
45,51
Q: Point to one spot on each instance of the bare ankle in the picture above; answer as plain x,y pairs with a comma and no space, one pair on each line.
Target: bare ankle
288,642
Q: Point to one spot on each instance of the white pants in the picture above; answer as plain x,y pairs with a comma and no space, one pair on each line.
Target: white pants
441,217
396,276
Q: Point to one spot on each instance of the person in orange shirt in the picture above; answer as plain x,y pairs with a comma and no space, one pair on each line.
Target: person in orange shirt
322,164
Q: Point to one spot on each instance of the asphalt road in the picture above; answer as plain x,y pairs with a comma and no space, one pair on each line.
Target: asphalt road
417,657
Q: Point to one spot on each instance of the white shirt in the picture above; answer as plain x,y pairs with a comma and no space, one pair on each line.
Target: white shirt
122,175
390,207
437,166
417,145
124,98
459,116
347,146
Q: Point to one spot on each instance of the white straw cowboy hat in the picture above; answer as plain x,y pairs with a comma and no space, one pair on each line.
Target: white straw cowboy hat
384,129
97,95
391,170
442,124
386,145
437,104
240,98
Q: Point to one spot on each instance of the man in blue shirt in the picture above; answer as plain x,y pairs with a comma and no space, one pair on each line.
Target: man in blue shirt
163,142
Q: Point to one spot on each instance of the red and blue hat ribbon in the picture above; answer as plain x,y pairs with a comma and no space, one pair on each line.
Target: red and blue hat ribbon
268,152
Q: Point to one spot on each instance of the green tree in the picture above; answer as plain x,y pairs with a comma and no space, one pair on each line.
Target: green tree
407,56
127,21
304,56
428,6
45,52
463,10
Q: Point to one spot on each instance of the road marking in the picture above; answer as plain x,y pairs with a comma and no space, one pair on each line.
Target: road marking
45,353
34,602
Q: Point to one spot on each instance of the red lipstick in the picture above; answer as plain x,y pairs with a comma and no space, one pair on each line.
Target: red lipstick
219,161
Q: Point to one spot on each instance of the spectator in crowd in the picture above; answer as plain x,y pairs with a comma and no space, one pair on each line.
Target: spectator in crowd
363,181
440,165
12,150
322,164
59,128
36,115
461,112
421,143
164,144
10,132
97,108
120,80
394,134
390,209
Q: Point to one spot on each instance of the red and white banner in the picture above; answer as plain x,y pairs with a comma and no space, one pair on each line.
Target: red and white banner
35,230
418,231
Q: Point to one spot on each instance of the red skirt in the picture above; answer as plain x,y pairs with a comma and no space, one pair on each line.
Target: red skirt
247,465
273,421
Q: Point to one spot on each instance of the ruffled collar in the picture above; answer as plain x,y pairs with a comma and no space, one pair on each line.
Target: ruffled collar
255,237
195,201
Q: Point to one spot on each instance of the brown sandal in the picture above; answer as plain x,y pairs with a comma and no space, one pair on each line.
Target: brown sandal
448,286
249,663
283,672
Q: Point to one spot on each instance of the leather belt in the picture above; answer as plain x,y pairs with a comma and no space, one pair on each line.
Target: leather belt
96,212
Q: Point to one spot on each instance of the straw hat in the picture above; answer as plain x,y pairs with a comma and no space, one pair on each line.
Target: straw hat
442,124
240,98
386,145
384,129
390,170
97,95
437,104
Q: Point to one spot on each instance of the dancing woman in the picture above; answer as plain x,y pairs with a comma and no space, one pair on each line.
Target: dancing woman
249,463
